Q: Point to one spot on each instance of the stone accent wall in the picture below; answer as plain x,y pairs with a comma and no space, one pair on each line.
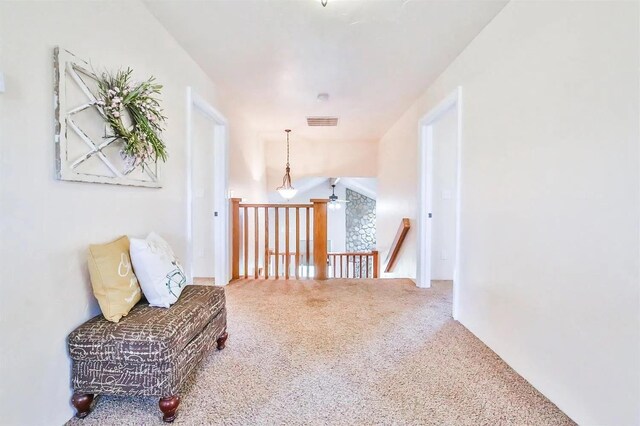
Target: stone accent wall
360,215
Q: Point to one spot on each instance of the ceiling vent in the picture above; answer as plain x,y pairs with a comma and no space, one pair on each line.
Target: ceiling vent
322,121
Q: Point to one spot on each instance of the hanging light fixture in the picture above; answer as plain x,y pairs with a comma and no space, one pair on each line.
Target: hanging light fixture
286,190
333,199
334,202
324,3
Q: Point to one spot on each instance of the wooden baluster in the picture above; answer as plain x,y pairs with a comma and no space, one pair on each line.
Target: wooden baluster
246,242
367,270
235,238
356,270
320,238
256,235
308,243
353,267
375,264
347,267
266,243
286,243
297,243
277,244
341,266
353,258
334,266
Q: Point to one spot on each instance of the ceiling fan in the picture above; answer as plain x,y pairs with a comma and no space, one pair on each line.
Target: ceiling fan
334,202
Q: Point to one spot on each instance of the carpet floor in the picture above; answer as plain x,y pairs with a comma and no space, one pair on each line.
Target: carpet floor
344,352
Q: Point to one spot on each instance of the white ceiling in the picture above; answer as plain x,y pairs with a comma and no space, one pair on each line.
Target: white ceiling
373,57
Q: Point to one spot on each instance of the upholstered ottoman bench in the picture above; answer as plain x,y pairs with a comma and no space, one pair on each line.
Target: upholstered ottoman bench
149,352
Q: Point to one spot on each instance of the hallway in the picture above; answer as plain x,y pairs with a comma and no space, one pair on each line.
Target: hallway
345,352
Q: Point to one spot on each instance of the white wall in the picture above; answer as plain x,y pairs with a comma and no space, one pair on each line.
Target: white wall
443,243
550,205
45,224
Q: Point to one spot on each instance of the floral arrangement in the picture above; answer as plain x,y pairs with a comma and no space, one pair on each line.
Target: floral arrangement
134,114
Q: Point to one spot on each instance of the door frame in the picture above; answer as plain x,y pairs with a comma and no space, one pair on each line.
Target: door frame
220,200
425,192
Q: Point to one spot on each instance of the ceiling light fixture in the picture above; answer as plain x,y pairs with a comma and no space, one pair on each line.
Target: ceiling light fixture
334,202
286,190
324,3
323,97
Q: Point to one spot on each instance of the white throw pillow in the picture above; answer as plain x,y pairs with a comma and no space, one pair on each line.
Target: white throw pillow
159,273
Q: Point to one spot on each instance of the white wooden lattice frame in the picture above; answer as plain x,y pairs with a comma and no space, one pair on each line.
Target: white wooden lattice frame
69,69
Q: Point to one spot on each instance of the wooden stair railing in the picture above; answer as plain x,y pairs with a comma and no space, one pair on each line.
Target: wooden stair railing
405,225
268,261
353,264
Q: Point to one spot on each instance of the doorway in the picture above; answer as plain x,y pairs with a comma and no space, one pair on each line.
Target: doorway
440,154
207,206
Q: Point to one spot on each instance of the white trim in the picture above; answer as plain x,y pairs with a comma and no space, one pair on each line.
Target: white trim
220,200
425,160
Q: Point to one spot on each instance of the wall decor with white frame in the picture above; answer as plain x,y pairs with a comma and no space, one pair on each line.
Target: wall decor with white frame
86,149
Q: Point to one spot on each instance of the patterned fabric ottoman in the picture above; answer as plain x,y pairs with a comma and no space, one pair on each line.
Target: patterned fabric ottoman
149,352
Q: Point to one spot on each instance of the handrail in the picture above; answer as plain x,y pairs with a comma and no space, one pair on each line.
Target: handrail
279,205
355,253
392,256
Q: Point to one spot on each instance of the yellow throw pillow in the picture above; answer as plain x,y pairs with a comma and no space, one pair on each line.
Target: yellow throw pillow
114,283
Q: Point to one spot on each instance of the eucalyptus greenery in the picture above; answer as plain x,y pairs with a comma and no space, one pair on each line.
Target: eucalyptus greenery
134,114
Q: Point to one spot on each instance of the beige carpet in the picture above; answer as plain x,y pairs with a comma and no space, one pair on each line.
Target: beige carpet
345,352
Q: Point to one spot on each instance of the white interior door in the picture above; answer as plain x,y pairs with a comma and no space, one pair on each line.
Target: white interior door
203,184
428,207
443,176
442,125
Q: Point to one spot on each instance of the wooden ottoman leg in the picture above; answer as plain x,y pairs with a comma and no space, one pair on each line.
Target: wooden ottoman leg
222,340
82,402
169,406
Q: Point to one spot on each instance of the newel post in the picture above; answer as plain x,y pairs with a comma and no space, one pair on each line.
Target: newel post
235,238
376,264
320,238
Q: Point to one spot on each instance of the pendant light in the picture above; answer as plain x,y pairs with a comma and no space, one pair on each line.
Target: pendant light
287,191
